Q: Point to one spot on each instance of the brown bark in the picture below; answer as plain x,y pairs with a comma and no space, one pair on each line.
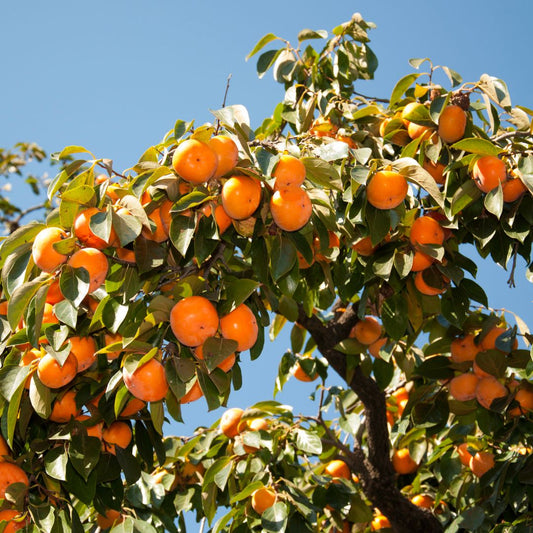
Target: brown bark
375,470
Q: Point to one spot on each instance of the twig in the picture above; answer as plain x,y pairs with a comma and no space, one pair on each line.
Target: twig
223,102
511,281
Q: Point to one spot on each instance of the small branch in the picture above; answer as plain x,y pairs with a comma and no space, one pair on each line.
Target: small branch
510,135
511,281
374,98
223,102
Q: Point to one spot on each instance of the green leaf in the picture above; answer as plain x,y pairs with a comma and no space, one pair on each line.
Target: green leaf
182,229
394,315
475,145
55,463
236,292
494,201
19,237
308,442
12,378
401,86
247,491
282,256
40,397
74,284
218,473
437,367
312,34
81,194
269,37
266,60
66,312
492,361
84,453
20,300
274,519
321,173
69,150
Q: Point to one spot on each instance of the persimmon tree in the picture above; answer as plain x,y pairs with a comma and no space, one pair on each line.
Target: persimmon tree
342,217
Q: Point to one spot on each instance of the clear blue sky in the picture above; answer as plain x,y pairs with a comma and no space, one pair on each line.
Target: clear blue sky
114,76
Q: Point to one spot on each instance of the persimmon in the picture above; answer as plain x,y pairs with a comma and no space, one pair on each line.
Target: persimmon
395,135
427,289
379,521
421,261
5,451
263,499
464,454
54,294
333,242
291,208
452,124
463,387
53,375
241,196
375,347
132,407
84,350
386,189
436,170
227,154
367,330
257,424
479,372
85,234
94,429
423,500
65,408
426,230
364,246
418,130
513,189
241,326
194,161
193,394
112,338
337,468
226,365
29,356
524,398
301,375
230,422
289,172
193,320
42,251
11,473
117,434
147,382
464,349
481,463
323,127
95,262
12,520
160,216
222,219
110,518
49,316
402,461
489,389
125,254
488,342
488,172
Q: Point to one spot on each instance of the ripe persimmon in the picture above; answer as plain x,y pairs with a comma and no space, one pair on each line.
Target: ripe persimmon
85,234
463,386
110,518
513,189
263,499
193,320
452,124
380,521
241,326
43,253
426,230
421,261
423,500
289,172
54,294
11,473
84,350
125,254
402,461
95,262
227,154
333,242
291,208
481,463
241,196
436,170
488,172
65,408
112,338
193,394
375,347
160,216
93,428
49,316
132,407
117,434
5,451
428,290
464,349
226,365
488,342
230,422
367,331
524,397
489,389
337,468
418,130
194,161
301,375
386,189
147,382
12,521
364,247
464,454
409,108
53,375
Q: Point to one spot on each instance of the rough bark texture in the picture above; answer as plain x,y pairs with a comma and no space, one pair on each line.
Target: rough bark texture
374,468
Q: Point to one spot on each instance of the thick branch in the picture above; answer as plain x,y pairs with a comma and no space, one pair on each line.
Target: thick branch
375,469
